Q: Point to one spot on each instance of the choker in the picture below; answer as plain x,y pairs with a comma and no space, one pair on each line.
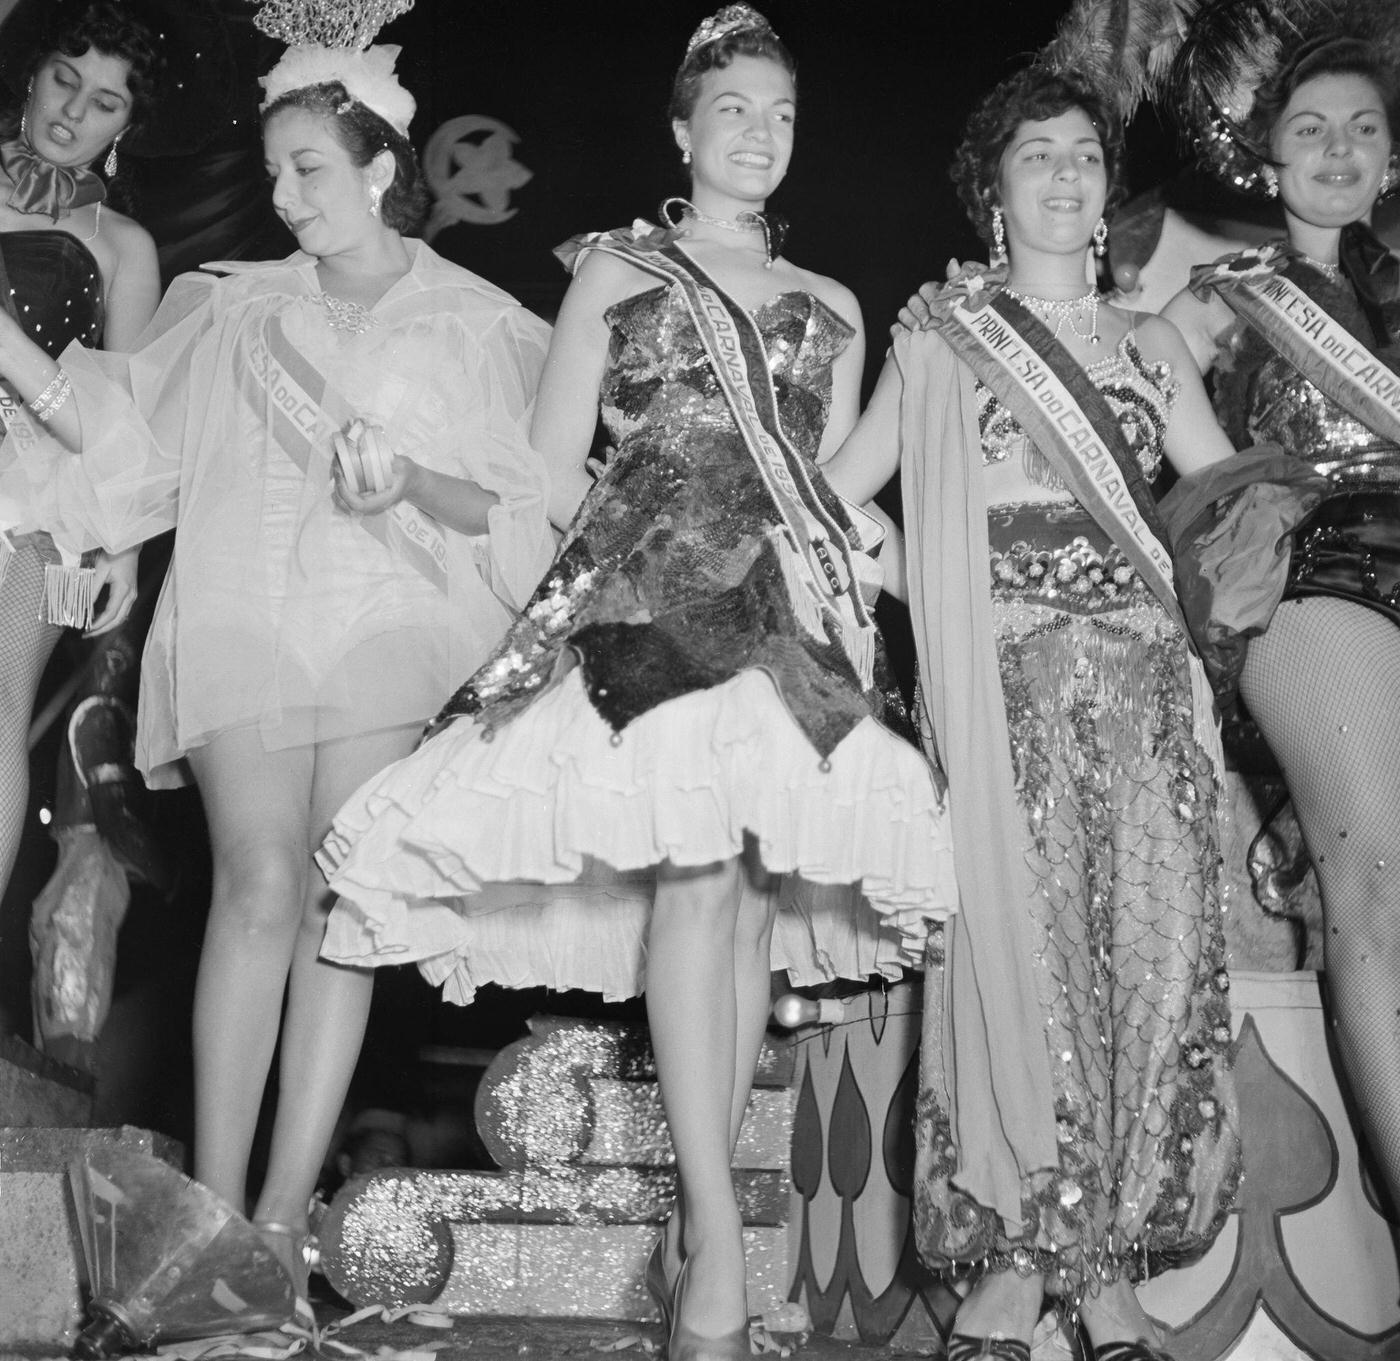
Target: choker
676,212
1062,310
40,186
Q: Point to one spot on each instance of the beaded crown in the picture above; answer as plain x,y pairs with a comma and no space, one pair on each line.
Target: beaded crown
327,23
730,19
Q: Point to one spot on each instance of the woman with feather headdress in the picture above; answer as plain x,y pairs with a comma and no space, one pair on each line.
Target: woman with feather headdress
1076,1125
1300,101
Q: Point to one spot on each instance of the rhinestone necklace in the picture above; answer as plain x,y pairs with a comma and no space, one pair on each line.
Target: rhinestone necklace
1064,310
347,316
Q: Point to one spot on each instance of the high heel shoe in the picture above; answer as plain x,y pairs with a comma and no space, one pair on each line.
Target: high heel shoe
289,1244
1141,1350
658,1287
965,1347
686,1345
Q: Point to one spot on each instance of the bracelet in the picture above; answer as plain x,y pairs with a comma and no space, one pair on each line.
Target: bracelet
46,405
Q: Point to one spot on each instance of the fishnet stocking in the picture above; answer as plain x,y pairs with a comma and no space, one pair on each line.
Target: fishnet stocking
28,641
1324,686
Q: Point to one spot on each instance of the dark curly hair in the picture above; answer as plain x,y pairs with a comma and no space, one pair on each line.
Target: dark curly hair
115,32
1031,95
715,56
364,134
1326,56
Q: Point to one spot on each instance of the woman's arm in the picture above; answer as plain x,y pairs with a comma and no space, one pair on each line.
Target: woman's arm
566,408
456,502
1201,324
41,383
869,456
133,291
1193,439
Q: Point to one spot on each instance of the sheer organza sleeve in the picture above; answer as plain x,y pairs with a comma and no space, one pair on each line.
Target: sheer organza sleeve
488,443
137,411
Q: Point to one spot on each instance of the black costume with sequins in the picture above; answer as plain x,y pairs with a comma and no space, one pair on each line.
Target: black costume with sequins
659,699
1350,545
1119,799
55,293
667,582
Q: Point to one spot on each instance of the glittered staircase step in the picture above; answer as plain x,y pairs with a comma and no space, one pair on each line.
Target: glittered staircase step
391,1237
571,1090
629,1127
548,1270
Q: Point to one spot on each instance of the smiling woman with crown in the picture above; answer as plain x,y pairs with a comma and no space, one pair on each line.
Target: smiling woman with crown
1301,102
339,439
695,696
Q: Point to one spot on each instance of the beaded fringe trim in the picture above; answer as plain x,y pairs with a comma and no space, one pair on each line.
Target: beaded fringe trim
69,593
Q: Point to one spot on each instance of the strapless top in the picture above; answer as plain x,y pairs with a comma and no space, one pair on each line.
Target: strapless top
56,287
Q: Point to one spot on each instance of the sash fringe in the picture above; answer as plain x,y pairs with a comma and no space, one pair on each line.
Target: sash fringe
69,592
804,604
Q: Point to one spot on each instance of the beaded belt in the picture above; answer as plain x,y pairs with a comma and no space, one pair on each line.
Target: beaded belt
1055,552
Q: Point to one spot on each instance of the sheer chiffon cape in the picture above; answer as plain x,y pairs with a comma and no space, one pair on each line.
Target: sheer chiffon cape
281,612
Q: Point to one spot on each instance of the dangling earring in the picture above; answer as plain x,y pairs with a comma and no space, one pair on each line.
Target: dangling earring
1390,179
1100,238
685,155
998,238
24,112
1270,178
375,194
109,166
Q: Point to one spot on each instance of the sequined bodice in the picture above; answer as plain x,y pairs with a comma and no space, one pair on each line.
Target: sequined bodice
660,384
1140,392
1261,398
669,580
56,288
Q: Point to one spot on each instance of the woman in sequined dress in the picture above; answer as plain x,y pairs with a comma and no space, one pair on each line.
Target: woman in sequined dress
679,702
1075,1126
77,270
311,623
1323,680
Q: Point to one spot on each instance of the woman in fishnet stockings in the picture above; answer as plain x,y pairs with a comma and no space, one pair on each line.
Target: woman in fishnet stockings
1323,682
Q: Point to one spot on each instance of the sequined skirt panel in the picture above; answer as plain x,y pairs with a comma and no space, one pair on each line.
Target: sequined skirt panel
1350,547
1120,806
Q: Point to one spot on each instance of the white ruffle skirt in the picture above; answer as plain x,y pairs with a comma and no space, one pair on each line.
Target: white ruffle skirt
526,856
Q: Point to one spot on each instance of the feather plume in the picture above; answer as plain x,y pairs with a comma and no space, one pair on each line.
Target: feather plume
1236,46
1121,48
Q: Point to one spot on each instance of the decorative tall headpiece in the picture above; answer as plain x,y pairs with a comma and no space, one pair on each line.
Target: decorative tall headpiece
730,19
328,41
1120,49
1235,46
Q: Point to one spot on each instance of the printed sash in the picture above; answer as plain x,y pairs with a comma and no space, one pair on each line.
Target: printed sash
1068,420
816,551
1296,321
306,412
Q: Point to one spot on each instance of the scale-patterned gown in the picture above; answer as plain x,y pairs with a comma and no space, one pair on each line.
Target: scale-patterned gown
1119,801
658,699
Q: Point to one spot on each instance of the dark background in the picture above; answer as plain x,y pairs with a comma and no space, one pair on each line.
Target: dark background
884,89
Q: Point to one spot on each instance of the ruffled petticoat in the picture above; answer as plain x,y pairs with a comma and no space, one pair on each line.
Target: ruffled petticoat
524,855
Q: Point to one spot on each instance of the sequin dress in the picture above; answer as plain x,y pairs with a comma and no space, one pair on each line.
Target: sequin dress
657,700
1350,545
1119,801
